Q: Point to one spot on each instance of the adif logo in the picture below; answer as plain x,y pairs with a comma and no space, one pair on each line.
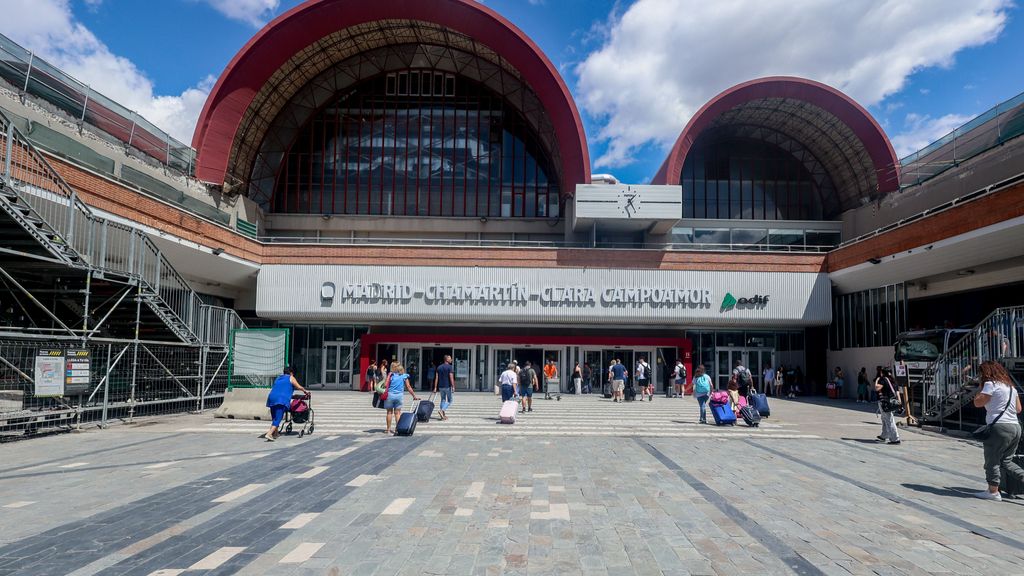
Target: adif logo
730,302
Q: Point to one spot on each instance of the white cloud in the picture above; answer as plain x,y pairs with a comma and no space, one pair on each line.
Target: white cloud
663,59
49,28
254,12
921,130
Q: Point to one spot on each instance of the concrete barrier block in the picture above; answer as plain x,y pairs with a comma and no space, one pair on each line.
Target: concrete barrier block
244,404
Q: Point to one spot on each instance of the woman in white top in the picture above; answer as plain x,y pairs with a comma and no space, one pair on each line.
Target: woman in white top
1002,404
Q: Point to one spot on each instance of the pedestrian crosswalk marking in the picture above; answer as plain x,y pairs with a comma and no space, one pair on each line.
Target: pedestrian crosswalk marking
475,416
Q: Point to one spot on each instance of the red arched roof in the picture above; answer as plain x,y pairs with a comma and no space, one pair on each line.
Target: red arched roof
859,121
303,25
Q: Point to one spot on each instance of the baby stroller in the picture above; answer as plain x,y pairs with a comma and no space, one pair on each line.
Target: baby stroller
300,412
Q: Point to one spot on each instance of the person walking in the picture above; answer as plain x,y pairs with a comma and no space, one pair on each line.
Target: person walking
588,375
1001,402
444,381
617,374
768,377
398,383
279,399
862,385
643,380
840,380
550,377
508,382
679,379
734,396
888,403
577,379
371,378
743,378
527,385
702,391
780,381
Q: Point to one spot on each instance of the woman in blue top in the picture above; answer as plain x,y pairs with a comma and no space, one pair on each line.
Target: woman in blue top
279,399
398,383
702,390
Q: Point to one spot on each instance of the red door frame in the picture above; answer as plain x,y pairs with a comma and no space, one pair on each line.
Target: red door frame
368,345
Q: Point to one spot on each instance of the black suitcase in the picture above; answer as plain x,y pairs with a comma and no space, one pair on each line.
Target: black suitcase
406,424
630,393
606,391
425,409
750,415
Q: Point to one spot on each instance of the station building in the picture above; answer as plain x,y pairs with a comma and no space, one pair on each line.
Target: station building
405,180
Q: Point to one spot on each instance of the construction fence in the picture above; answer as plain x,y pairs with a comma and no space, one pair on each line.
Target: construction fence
51,384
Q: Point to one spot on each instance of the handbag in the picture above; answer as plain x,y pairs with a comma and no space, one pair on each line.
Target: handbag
891,403
985,431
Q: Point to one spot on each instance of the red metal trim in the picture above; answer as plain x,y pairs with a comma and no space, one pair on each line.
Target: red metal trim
684,346
254,65
842,106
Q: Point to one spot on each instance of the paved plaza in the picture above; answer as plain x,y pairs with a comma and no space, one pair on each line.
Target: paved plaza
580,486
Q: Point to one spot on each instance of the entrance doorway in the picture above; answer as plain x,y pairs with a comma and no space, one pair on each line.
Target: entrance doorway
754,359
337,374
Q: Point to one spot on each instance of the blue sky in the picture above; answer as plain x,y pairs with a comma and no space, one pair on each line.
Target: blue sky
638,68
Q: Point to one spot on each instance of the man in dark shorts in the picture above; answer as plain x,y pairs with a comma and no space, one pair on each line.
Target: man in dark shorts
527,384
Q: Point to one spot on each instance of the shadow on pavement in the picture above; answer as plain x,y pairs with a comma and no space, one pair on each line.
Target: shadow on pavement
955,491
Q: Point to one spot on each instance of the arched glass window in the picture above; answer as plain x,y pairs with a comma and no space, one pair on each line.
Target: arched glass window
735,178
417,142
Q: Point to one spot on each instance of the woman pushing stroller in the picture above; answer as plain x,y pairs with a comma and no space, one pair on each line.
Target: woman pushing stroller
279,399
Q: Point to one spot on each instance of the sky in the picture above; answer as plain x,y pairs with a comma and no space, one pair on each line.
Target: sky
638,69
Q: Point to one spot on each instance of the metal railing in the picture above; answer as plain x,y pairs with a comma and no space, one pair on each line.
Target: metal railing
105,246
1001,123
948,382
513,243
29,74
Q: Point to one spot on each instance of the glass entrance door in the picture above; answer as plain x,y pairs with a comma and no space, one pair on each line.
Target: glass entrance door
462,359
337,373
754,359
593,371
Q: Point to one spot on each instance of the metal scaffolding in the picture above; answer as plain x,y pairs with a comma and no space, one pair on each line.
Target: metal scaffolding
73,280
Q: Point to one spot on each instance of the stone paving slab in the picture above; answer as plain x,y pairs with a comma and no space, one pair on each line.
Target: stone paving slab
506,500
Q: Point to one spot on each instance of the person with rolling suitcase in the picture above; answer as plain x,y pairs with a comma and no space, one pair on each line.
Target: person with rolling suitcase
398,383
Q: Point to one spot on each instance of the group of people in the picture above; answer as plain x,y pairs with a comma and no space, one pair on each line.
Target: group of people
782,381
519,383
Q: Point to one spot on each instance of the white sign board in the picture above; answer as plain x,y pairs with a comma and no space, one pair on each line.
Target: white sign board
49,374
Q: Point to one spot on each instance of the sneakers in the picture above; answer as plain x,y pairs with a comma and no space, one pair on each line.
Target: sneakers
986,495
894,442
880,438
269,438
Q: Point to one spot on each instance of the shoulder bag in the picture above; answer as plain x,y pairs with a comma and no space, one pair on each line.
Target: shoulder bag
892,403
983,432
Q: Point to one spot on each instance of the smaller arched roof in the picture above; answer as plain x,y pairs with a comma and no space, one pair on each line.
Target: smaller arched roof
844,137
263,59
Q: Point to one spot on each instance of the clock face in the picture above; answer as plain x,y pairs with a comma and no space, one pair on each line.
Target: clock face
629,202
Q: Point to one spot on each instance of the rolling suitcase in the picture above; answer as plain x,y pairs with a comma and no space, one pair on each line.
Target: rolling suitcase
760,402
508,412
606,391
630,393
406,424
724,416
425,409
750,416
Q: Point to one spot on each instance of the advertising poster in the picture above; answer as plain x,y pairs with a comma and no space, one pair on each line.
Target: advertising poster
49,373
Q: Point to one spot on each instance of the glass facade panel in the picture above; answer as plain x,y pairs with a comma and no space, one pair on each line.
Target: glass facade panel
823,238
736,178
400,145
712,236
749,236
868,318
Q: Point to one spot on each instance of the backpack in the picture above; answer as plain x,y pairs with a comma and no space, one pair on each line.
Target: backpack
744,376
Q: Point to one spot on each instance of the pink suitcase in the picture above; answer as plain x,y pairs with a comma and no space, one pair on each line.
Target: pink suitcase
508,412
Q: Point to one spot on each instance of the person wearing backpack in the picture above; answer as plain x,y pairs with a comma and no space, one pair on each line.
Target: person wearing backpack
679,378
702,391
743,378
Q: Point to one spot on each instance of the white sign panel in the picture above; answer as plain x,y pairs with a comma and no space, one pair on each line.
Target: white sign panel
49,374
537,296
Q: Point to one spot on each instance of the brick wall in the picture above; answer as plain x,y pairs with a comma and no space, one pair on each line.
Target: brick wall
992,209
